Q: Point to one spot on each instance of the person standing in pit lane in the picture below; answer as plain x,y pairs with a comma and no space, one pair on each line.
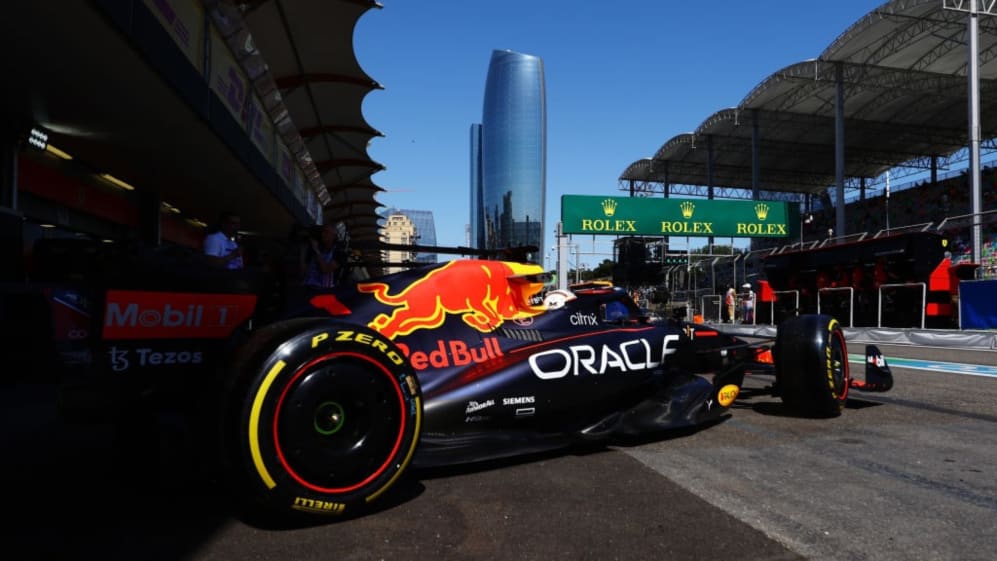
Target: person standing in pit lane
222,246
327,259
729,301
748,304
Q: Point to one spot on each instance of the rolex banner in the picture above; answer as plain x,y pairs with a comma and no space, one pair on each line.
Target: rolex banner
630,216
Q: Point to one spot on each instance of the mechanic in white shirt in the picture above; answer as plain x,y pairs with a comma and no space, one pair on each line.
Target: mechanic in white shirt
222,247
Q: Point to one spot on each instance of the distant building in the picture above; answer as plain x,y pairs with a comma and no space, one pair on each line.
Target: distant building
509,156
397,230
409,227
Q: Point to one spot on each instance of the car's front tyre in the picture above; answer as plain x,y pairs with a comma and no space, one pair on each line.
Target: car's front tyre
811,363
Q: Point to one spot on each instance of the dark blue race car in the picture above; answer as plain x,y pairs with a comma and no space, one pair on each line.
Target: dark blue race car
316,405
472,360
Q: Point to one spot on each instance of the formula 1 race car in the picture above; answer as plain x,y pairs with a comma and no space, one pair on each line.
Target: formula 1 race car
316,406
471,360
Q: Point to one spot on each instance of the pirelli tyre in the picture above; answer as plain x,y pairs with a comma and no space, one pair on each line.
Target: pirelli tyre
811,364
319,419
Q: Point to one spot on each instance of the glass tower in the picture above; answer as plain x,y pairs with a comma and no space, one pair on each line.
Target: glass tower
509,167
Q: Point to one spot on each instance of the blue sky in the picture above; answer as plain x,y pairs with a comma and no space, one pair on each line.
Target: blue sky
622,78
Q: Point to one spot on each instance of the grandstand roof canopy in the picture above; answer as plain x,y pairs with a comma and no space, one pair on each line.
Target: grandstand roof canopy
308,47
906,98
74,72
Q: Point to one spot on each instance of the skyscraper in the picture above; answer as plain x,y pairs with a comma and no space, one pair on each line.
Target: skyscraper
509,156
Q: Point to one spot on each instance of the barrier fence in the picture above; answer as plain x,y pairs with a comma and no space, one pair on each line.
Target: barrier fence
851,301
924,298
777,293
713,300
710,303
717,302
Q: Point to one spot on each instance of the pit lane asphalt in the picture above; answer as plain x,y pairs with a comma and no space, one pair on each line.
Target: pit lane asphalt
910,474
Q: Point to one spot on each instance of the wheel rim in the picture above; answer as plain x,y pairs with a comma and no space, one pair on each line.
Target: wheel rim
339,423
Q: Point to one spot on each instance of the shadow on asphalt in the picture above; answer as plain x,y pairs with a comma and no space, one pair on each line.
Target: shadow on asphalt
762,401
68,498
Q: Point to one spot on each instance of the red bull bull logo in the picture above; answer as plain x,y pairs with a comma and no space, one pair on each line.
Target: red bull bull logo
483,293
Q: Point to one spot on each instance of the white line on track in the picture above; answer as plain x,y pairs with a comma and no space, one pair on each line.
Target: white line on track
933,365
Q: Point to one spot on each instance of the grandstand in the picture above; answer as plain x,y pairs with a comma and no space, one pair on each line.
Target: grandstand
887,97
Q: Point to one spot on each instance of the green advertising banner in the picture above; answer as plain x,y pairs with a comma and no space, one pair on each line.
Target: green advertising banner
631,216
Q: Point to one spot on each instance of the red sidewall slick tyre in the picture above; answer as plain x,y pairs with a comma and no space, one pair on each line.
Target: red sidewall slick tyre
322,419
811,362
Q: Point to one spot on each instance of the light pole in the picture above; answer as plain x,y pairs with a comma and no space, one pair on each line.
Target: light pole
887,202
578,265
744,266
974,10
805,220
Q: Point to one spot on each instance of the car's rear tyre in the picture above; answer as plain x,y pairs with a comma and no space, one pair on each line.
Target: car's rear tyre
811,363
320,418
